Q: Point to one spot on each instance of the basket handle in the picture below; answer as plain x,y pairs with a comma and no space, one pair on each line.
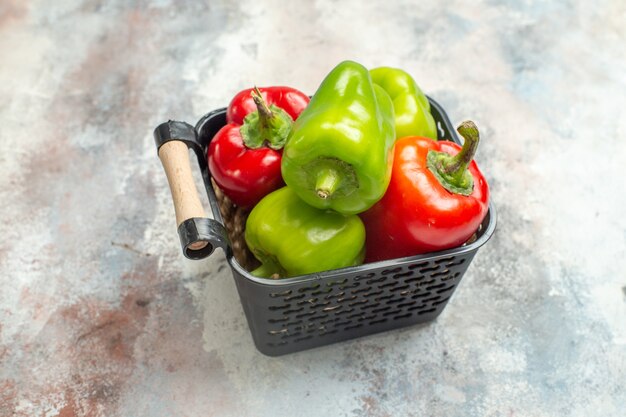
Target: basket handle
198,234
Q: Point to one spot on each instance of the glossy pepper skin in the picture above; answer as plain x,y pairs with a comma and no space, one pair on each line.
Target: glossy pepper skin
291,238
411,106
436,199
244,156
339,152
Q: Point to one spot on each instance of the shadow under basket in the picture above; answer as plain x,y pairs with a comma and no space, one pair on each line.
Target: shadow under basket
294,314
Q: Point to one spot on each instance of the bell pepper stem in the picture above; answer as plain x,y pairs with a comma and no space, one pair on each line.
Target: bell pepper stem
266,270
451,171
461,161
268,126
265,113
327,182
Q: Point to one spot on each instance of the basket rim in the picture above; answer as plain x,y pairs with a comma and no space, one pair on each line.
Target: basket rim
359,269
365,268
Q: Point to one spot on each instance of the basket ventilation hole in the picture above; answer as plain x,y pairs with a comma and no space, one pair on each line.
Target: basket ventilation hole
280,294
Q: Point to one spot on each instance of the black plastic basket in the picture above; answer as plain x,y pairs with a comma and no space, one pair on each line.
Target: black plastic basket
289,315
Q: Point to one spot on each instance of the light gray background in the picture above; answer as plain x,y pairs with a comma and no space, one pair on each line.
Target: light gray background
100,315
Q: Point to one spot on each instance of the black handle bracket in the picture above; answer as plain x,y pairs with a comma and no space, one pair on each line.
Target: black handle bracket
201,229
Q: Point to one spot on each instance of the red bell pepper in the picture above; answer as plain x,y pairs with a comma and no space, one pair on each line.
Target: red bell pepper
436,199
244,156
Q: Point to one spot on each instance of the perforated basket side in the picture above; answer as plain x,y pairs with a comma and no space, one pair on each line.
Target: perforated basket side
349,304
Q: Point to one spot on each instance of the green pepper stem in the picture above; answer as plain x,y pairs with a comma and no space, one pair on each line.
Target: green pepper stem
451,171
327,182
266,270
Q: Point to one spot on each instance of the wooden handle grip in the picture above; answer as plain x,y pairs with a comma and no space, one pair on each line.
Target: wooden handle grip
174,156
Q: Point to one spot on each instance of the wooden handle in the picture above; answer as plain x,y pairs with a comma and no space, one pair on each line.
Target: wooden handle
174,156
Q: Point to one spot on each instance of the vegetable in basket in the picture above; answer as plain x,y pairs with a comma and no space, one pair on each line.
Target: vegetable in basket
436,200
244,156
292,238
339,152
410,105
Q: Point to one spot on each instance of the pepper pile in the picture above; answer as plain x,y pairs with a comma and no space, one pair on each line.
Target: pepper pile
366,178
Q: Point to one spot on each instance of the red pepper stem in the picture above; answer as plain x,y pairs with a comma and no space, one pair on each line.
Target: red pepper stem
461,161
265,113
451,171
268,126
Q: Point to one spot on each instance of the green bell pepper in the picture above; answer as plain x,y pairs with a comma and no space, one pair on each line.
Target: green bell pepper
411,107
291,238
339,152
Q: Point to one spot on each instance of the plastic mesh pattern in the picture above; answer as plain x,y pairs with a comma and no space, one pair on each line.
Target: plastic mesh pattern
350,303
302,315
